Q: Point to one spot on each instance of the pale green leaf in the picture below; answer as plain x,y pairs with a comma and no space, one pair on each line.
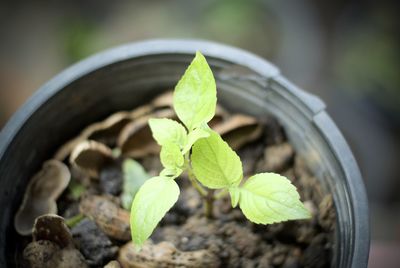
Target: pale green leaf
171,172
166,131
268,198
193,136
151,203
171,156
235,194
195,95
134,176
215,164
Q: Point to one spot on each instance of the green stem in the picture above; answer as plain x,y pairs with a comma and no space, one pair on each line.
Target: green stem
71,222
207,195
221,194
196,184
209,204
192,178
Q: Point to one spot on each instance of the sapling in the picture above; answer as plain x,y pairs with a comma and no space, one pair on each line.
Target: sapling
212,167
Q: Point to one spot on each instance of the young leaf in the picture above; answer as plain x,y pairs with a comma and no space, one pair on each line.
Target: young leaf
215,164
171,156
171,172
195,95
235,195
166,130
268,198
193,136
134,176
151,203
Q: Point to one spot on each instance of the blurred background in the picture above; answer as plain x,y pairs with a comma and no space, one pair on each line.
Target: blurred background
347,52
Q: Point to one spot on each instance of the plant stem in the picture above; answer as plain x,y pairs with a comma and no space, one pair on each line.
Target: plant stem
203,193
192,178
207,195
221,194
71,222
209,204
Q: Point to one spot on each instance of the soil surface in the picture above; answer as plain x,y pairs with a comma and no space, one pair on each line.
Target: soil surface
99,226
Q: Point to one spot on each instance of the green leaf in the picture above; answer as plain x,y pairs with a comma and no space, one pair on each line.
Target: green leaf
235,194
134,176
171,156
171,172
166,131
76,189
194,136
268,198
195,95
151,203
215,164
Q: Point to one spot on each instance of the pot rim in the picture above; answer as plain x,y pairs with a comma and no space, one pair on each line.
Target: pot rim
315,109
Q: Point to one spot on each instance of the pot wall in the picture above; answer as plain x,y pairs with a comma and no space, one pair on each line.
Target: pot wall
127,76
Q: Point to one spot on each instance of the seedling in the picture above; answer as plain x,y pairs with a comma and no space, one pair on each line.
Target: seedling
213,168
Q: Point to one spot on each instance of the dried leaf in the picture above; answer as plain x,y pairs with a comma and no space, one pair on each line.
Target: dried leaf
136,140
52,227
104,131
91,157
239,130
40,196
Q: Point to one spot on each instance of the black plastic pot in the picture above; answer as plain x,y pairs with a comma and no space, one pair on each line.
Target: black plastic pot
127,76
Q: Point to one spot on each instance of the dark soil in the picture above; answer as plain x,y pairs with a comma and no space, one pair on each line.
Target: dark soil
230,236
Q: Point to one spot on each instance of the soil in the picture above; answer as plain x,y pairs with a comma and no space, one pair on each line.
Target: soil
186,238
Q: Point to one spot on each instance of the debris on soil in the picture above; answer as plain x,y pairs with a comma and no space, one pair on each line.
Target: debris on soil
136,140
93,243
277,158
91,157
326,216
41,195
106,132
46,254
52,245
111,219
165,255
238,130
102,130
52,228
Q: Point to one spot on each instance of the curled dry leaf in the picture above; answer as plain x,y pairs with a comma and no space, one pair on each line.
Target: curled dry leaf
238,130
220,116
52,227
41,195
276,157
165,100
165,255
112,220
91,156
105,131
136,140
